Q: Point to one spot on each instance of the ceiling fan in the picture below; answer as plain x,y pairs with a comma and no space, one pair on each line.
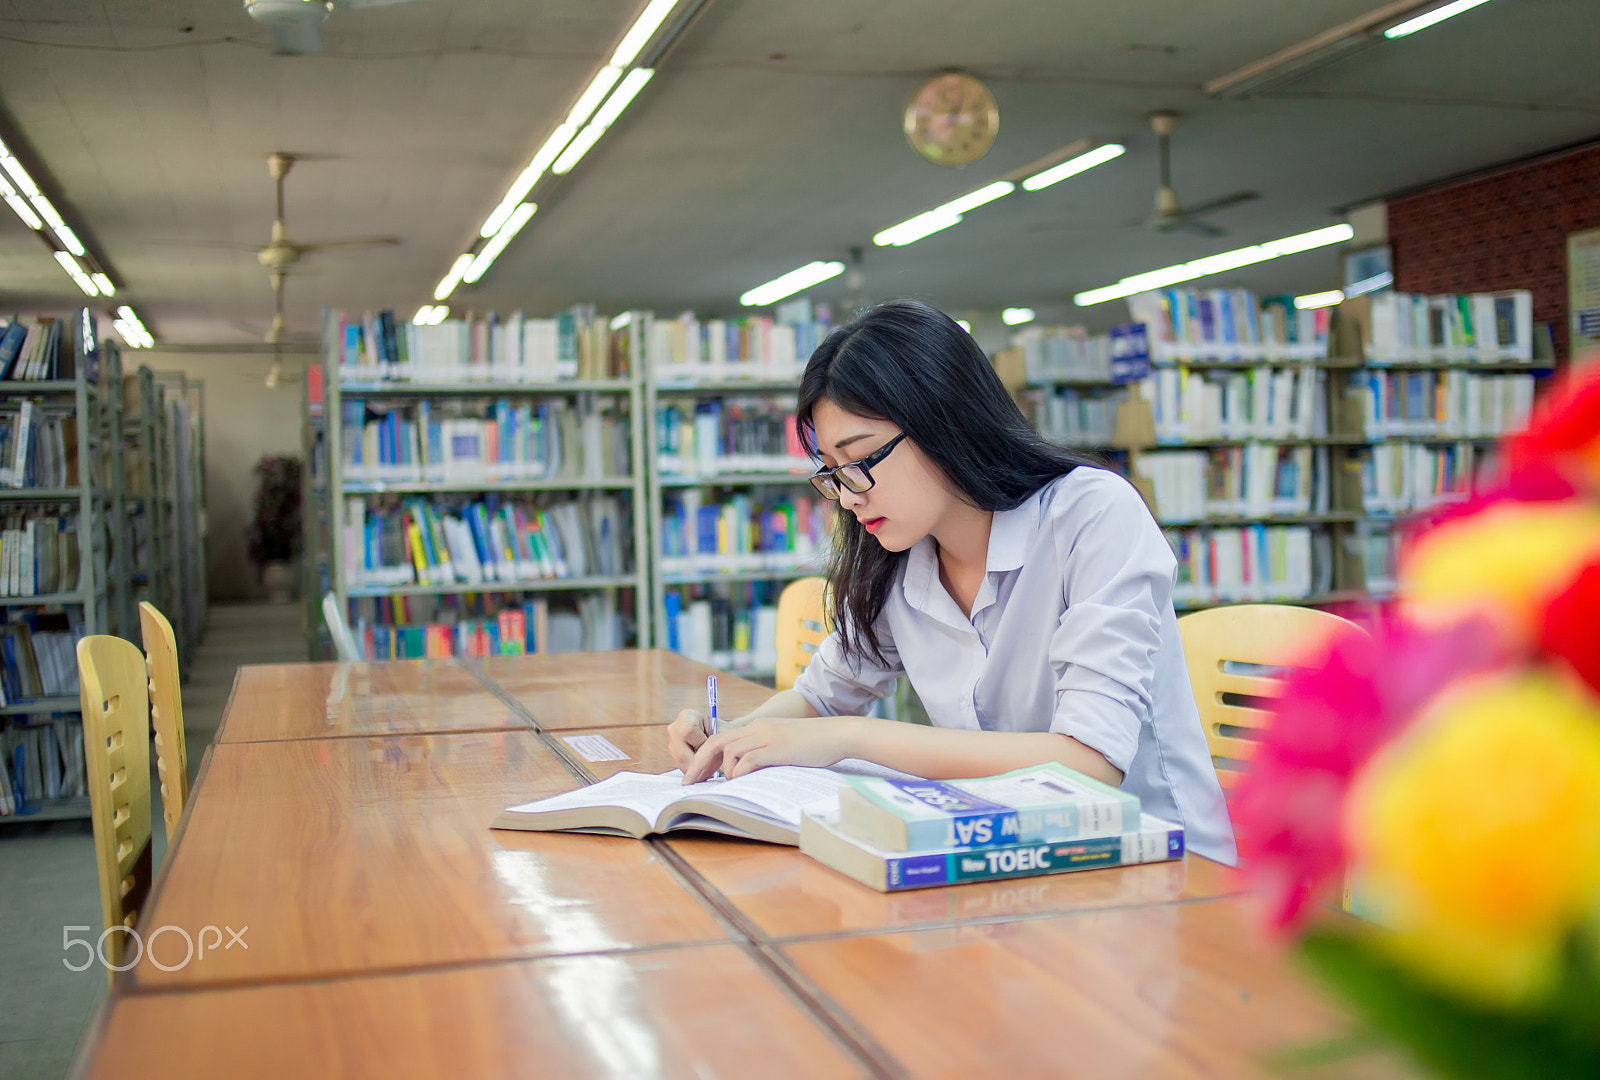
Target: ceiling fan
297,24
1169,215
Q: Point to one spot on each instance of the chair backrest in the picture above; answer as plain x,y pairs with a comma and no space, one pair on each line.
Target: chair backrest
802,624
1236,656
166,713
344,642
116,750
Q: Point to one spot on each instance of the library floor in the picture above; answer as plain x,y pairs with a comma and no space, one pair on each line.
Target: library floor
47,874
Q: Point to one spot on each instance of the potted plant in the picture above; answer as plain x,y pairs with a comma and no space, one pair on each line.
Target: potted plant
274,537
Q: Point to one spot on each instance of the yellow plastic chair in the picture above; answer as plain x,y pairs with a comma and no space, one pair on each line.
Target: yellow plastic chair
1260,638
166,713
116,746
802,624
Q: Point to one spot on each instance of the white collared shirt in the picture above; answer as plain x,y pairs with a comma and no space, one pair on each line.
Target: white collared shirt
1072,631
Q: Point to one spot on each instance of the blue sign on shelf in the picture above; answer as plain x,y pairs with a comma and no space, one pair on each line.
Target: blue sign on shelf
1130,353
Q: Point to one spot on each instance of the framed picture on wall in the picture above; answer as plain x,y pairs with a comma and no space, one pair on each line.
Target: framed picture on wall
1583,294
1367,270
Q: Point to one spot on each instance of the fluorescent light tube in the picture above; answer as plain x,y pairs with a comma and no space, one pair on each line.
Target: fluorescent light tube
1319,299
642,30
941,217
965,325
813,273
48,212
70,265
1073,166
624,94
491,250
913,229
1428,18
69,240
592,95
24,211
530,176
448,284
424,316
619,321
576,149
1215,264
103,283
1016,316
25,182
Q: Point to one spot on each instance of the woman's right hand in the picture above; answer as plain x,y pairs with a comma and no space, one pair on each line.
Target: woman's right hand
685,734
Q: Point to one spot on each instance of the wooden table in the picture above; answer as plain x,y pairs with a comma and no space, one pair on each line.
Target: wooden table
340,825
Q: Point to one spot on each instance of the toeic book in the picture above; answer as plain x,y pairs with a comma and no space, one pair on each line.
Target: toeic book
821,837
1039,804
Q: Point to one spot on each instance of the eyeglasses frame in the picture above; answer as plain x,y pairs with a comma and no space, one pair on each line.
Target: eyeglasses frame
864,464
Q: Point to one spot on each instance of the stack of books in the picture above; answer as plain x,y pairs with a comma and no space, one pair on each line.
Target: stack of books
895,834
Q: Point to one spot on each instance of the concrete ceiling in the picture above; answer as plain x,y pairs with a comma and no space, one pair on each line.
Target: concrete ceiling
770,137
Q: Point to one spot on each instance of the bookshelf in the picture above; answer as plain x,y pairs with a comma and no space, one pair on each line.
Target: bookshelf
1278,447
486,482
144,478
57,511
733,517
316,572
183,400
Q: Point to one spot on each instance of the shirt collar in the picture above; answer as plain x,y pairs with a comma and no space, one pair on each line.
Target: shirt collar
1010,534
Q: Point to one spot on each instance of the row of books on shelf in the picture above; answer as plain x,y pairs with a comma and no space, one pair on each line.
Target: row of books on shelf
574,344
1075,417
499,440
1255,480
1257,403
742,534
412,627
491,542
42,760
734,435
1485,327
38,553
1063,354
686,349
1228,324
1455,403
733,627
1399,478
38,446
44,347
1250,563
38,656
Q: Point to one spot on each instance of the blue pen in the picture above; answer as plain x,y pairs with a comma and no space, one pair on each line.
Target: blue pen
711,699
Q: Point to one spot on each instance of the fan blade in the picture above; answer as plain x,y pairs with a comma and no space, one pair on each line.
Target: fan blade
219,245
1198,227
368,3
354,241
296,39
1218,204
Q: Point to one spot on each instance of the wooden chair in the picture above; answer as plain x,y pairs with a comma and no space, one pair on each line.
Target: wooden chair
166,713
116,743
802,624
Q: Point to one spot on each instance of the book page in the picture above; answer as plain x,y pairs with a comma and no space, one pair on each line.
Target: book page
645,794
781,793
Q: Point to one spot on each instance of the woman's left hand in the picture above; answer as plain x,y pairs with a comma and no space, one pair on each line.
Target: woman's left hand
771,741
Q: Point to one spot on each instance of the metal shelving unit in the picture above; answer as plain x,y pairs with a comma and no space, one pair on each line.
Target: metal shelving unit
316,574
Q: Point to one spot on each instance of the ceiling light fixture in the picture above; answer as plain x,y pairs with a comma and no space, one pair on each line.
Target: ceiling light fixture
431,314
813,273
448,283
642,30
625,93
941,217
1215,264
1429,18
530,176
103,283
491,250
576,149
1319,299
1016,316
592,95
37,211
132,330
1073,166
1319,50
70,265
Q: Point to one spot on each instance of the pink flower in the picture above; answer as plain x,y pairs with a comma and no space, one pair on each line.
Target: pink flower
1348,700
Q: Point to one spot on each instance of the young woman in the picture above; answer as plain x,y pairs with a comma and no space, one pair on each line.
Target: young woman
1025,592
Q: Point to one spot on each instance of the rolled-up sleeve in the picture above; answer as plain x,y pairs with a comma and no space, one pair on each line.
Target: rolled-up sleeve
838,686
1118,580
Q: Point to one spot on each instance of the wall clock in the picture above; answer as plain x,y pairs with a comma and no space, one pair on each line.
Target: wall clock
952,119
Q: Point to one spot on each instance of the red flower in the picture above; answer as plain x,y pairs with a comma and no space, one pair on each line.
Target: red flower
1566,423
1572,625
1334,714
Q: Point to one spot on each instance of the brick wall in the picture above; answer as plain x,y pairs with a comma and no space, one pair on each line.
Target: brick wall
1507,230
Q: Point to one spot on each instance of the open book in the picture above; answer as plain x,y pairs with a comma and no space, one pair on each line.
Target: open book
764,805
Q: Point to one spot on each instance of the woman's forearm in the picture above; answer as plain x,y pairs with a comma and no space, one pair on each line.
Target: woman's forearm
945,753
785,704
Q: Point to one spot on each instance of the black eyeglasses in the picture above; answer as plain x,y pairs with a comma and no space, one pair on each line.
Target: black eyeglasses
854,475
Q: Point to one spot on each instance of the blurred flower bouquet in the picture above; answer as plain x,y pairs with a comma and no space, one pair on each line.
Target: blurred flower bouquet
1452,758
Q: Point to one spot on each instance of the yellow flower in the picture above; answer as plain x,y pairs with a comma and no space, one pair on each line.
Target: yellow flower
1478,835
1505,561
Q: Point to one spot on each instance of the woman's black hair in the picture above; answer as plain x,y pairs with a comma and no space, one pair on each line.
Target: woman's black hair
911,364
